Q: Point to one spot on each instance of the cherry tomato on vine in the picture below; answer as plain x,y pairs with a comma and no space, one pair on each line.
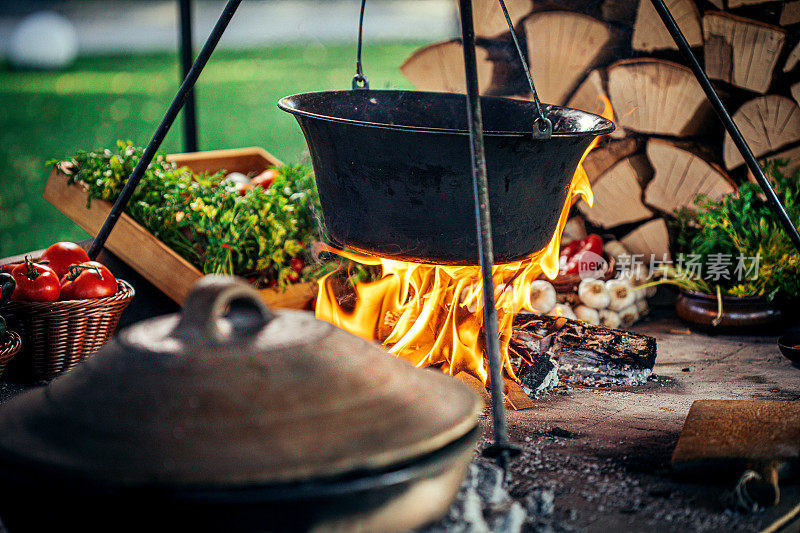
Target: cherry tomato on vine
61,255
89,279
35,282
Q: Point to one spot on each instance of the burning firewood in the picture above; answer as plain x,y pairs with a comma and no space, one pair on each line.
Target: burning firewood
583,353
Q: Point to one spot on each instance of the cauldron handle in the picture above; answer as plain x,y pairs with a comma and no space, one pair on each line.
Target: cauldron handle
359,80
206,304
542,126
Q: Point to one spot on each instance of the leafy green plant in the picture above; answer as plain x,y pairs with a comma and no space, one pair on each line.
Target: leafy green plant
206,220
741,227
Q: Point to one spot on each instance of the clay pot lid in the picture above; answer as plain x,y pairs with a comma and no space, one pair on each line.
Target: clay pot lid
261,397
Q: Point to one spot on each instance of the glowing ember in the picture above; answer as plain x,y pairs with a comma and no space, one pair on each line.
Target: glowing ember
433,315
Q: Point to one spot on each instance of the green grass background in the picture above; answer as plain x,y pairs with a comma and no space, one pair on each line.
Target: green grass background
47,115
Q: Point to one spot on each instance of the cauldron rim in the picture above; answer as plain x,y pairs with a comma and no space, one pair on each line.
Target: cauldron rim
605,126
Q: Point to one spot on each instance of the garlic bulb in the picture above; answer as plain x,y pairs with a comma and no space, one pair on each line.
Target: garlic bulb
609,319
629,316
643,308
588,315
562,310
620,294
593,293
543,296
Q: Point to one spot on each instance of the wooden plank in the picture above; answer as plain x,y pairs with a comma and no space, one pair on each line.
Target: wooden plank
724,437
155,261
515,396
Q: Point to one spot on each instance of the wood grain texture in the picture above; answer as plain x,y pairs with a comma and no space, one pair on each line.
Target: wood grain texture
562,47
599,343
155,261
735,433
650,34
617,194
657,96
767,123
680,175
440,67
790,13
792,59
650,241
608,154
488,18
589,94
741,51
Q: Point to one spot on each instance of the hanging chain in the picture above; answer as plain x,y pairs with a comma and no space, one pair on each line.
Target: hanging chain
359,80
542,127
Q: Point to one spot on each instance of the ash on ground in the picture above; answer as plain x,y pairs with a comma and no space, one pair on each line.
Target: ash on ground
559,483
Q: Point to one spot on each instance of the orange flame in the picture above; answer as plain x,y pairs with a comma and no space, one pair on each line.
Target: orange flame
432,315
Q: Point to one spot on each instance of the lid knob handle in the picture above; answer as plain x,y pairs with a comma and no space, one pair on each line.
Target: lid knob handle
210,299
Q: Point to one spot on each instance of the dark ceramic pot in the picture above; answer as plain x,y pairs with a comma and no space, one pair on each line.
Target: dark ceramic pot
740,314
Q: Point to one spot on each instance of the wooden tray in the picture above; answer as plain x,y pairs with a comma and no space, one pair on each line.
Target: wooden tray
151,258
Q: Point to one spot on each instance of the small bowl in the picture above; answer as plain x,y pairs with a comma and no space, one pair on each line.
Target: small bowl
790,347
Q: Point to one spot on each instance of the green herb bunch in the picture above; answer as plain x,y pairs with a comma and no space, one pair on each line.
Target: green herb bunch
743,226
205,219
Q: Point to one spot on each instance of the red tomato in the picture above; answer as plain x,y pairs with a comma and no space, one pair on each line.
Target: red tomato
10,267
88,280
63,254
294,277
266,178
297,264
35,283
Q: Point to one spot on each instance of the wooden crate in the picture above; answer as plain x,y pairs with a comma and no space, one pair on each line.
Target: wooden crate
151,258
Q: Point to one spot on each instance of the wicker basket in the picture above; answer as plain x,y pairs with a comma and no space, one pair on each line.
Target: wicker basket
57,335
8,349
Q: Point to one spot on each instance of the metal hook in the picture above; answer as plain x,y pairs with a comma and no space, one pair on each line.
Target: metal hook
359,80
542,127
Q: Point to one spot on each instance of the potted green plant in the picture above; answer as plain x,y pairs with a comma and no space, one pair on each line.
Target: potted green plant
736,266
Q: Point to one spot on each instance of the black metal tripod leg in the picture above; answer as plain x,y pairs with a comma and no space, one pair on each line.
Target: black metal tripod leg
163,128
189,108
772,198
501,447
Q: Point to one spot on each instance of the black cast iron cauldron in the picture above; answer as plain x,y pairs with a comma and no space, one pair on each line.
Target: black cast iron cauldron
394,174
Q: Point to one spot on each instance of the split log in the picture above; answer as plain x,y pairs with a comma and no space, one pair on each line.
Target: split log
589,94
649,32
792,59
680,175
562,47
792,158
607,154
767,123
741,51
795,90
618,193
488,18
657,96
596,344
790,14
440,67
649,241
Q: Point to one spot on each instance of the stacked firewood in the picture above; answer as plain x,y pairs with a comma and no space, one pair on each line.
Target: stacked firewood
669,146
